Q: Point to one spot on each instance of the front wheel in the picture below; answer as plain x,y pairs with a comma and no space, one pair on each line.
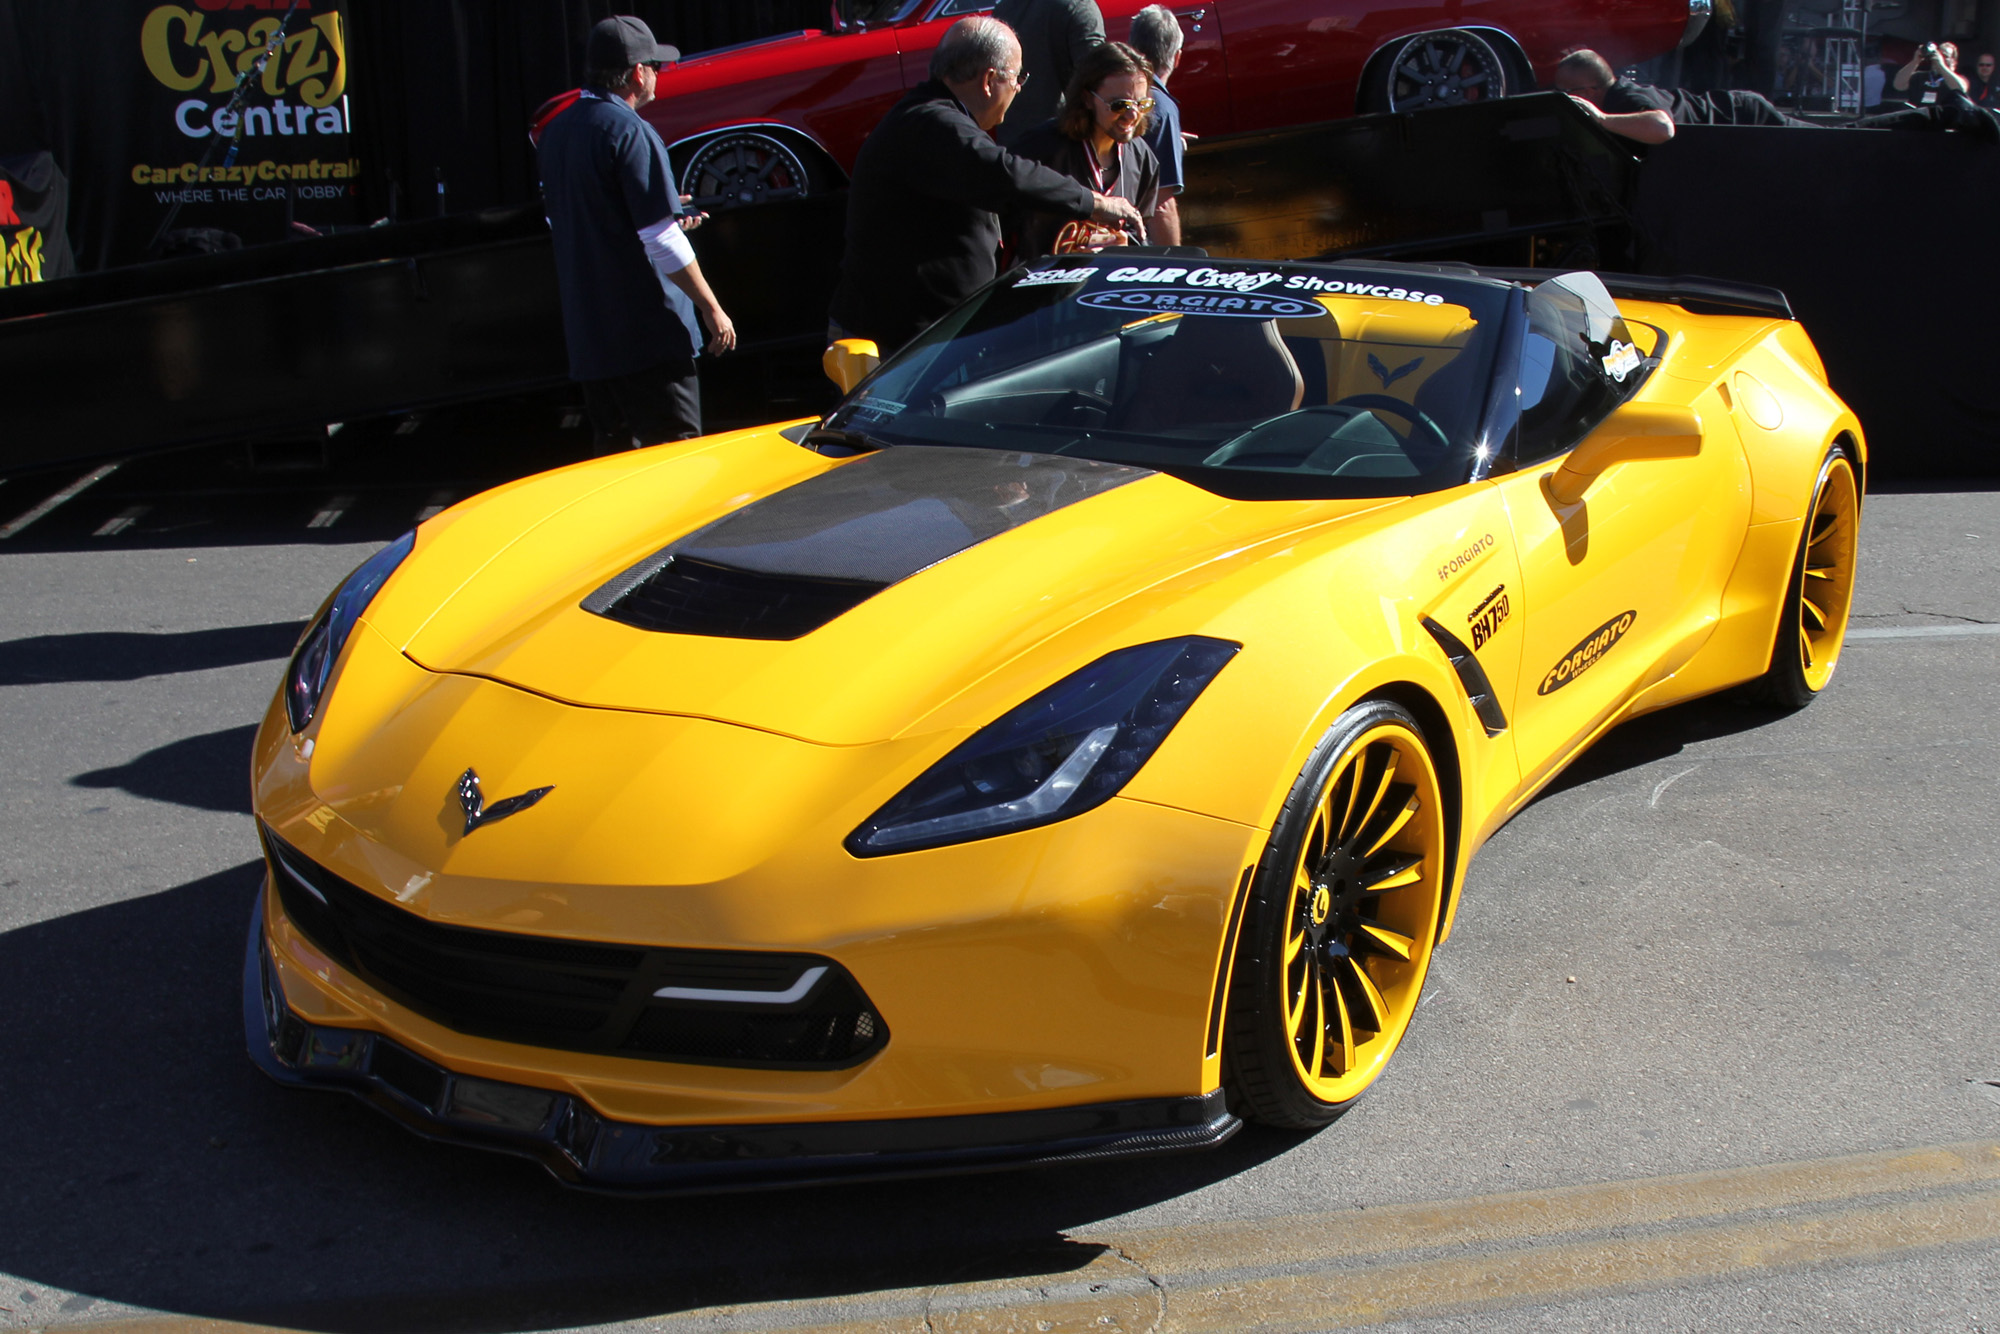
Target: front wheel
1813,624
1343,913
1435,69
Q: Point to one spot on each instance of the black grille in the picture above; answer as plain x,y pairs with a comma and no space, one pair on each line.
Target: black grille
697,597
582,996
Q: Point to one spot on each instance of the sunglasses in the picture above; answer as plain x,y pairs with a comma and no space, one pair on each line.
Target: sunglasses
1122,105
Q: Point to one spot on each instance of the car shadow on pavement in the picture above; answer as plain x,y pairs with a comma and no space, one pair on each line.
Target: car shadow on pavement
118,655
1663,735
209,772
147,1162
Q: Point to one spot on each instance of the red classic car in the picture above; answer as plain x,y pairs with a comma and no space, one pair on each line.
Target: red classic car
785,117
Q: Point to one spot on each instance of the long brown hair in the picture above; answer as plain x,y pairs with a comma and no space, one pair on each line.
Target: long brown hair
1076,120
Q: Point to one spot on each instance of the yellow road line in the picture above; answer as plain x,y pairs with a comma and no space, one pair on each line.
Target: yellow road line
1372,1294
1484,1220
1366,1266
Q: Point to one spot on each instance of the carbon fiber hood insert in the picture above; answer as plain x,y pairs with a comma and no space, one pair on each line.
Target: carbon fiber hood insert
791,562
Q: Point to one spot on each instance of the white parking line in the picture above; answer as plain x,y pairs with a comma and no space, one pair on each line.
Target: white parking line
438,503
62,497
124,519
1925,631
330,513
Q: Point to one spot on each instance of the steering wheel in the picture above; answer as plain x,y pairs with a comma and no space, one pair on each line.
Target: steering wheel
1419,421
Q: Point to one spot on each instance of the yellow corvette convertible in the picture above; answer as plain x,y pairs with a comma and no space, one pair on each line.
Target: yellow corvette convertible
1069,747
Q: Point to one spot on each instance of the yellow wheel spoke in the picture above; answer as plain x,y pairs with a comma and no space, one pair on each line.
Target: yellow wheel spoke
1815,619
1823,526
1382,938
1343,1028
1374,802
1821,571
1318,1061
1316,838
1295,1002
1392,872
1374,1011
1351,780
1395,827
1805,649
1293,946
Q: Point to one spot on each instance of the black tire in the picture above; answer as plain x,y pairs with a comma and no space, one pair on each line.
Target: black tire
1813,622
1354,873
741,168
1450,67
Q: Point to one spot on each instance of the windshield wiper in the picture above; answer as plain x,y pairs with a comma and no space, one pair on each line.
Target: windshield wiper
838,443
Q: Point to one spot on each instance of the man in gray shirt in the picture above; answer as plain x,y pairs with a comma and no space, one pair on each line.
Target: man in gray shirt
1054,34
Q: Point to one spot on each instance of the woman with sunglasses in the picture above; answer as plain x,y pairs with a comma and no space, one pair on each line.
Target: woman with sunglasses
1094,140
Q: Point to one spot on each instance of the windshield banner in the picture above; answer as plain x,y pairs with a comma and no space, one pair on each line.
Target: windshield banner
1181,301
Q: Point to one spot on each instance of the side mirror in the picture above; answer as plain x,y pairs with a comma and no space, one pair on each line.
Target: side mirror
850,361
1635,431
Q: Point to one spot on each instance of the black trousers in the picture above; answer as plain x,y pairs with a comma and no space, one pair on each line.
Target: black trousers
648,407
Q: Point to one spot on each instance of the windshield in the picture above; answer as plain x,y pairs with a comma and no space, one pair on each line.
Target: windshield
1299,380
873,11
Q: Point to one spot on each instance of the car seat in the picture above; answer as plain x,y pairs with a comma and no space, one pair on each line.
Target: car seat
1216,368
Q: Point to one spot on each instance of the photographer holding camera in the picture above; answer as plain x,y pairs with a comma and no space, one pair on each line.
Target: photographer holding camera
1933,69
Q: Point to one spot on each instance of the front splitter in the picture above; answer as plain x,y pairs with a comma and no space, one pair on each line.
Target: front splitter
584,1149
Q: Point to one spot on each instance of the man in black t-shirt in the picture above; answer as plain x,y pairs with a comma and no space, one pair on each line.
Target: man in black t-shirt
629,284
1648,115
1636,111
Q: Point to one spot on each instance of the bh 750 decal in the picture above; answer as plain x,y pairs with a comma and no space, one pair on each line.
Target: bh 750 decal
1489,616
1586,654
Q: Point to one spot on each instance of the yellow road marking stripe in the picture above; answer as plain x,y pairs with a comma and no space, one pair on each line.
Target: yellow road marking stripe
1367,1266
1372,1294
1522,1215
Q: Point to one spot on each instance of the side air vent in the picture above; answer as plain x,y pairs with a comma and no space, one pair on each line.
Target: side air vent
1478,687
697,597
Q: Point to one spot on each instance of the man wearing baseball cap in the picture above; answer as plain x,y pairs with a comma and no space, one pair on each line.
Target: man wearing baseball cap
629,282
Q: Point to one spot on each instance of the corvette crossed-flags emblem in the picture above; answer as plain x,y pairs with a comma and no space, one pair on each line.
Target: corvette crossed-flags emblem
478,813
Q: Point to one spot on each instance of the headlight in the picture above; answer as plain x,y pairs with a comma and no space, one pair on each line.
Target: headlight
312,663
1064,751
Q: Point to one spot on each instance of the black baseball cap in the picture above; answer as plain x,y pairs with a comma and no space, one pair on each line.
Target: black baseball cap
621,41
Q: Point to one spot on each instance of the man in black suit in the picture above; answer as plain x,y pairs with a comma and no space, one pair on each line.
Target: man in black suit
923,229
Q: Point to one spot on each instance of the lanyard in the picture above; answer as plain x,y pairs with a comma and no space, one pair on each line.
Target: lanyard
1097,172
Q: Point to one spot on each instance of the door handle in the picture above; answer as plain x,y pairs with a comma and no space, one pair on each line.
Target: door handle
1193,17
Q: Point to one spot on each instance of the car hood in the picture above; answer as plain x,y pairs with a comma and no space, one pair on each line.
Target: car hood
944,564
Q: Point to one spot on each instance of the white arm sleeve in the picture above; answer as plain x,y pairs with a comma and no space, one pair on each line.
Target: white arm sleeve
667,245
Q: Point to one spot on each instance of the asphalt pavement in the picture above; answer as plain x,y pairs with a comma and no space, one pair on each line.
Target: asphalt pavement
1713,1045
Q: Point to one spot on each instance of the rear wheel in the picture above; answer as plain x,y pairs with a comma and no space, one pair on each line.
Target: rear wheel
1435,69
1343,913
1813,625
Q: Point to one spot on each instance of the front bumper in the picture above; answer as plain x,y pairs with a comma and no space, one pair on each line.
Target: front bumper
584,1149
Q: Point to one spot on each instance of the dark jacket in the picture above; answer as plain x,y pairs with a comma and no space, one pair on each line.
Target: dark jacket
1054,34
922,224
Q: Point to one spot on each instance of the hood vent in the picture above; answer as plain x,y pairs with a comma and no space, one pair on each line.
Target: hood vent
697,597
783,566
